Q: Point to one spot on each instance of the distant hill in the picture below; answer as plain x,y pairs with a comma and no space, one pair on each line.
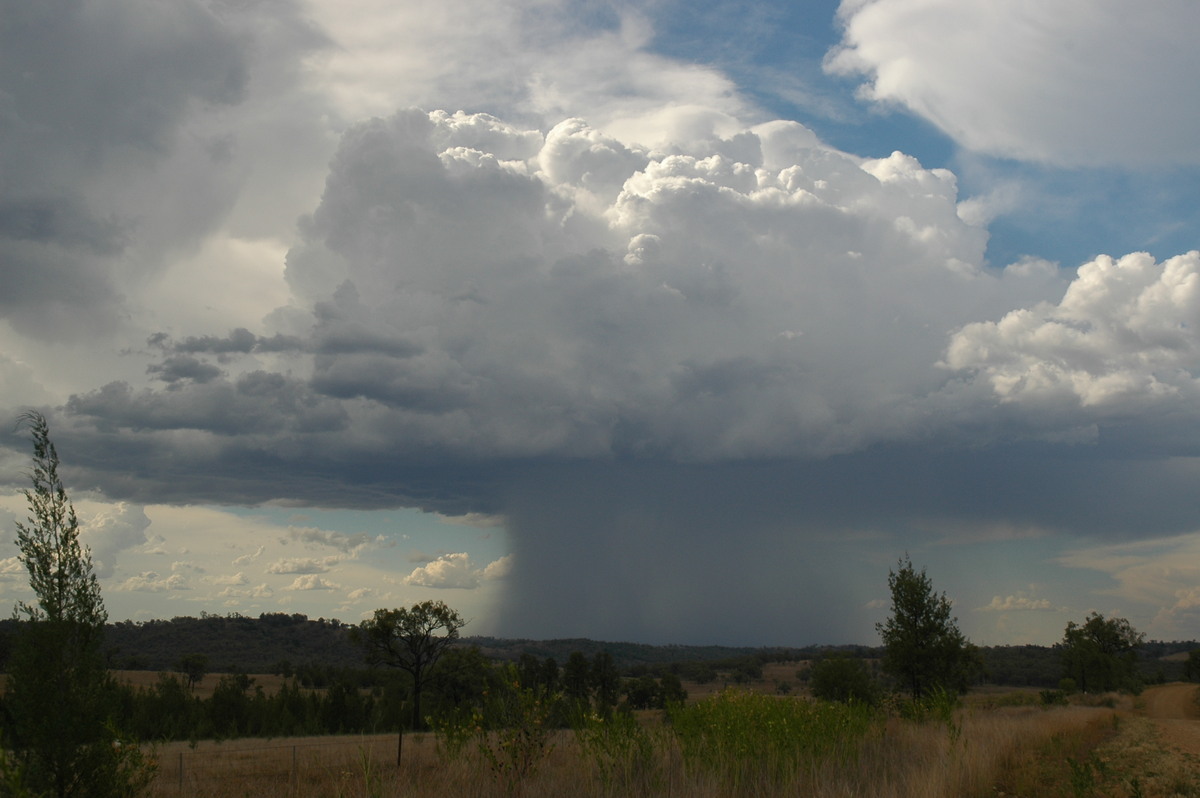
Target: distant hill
279,642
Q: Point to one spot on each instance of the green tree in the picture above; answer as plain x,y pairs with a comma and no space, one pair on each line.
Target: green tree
842,678
605,683
412,640
1191,668
924,648
194,667
59,692
576,681
1101,654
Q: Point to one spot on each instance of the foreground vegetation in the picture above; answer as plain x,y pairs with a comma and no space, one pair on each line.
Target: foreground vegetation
729,745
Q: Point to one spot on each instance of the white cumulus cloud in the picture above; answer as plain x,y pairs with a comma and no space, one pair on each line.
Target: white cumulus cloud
457,571
1124,337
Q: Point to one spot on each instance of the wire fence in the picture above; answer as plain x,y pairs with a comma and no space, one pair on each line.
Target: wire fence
245,767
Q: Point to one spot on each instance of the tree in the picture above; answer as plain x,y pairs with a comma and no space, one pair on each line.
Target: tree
605,683
842,678
1101,654
59,689
1191,668
924,648
412,640
194,667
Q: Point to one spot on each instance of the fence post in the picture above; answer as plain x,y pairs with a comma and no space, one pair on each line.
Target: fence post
295,771
181,772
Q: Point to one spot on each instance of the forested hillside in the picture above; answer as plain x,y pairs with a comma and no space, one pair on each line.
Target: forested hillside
282,643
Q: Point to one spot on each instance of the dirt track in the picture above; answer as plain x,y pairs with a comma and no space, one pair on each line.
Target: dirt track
1174,709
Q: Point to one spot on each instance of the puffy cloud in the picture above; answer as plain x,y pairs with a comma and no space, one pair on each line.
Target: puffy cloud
721,303
1063,82
457,571
1122,341
312,582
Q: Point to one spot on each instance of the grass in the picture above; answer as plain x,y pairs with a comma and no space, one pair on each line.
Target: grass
730,745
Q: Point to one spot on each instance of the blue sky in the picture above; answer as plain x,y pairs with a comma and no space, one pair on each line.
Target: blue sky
661,321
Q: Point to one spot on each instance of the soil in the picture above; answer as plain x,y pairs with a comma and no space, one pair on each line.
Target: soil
1174,710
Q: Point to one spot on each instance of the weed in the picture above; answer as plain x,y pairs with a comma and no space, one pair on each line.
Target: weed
627,757
745,737
516,750
1083,778
454,730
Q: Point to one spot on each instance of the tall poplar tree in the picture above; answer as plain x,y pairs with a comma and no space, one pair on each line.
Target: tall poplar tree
57,697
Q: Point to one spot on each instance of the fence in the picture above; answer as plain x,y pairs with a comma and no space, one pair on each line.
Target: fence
329,765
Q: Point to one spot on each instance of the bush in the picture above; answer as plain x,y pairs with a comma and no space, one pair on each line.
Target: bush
844,679
745,737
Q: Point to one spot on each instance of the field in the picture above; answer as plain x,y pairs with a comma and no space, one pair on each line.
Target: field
994,744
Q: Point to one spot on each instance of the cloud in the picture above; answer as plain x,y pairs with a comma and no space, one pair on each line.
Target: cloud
250,557
1121,342
116,528
349,545
1063,83
303,565
457,571
647,291
1017,603
153,582
312,582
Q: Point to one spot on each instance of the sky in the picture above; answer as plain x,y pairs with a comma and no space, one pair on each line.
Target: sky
662,322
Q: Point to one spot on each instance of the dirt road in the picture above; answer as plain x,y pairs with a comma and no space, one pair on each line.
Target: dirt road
1174,709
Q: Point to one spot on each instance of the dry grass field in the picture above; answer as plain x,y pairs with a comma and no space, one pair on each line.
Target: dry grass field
270,683
997,744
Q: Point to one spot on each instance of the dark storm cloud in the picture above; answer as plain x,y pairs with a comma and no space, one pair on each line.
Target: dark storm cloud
183,367
254,403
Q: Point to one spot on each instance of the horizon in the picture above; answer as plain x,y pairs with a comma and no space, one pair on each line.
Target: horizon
611,319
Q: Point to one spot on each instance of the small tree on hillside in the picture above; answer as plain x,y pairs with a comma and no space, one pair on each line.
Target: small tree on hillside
58,690
412,640
924,649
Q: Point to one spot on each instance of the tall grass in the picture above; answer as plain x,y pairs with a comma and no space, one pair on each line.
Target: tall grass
727,746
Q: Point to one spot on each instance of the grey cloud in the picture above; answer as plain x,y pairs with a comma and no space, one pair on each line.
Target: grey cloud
99,184
239,341
62,221
257,402
183,367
